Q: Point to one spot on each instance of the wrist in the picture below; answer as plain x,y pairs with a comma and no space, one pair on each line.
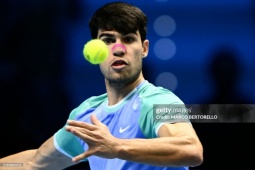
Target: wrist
121,149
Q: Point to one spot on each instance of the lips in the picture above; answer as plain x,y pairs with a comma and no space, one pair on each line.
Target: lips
119,63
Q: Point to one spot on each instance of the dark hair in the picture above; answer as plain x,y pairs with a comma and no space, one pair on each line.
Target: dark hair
121,17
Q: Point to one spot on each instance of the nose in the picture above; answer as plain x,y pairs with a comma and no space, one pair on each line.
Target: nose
118,50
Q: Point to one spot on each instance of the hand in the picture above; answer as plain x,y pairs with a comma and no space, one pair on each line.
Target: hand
96,135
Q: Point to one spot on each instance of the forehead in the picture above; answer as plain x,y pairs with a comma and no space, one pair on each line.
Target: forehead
115,33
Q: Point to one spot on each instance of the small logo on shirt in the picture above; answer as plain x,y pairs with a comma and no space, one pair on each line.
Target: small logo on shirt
123,129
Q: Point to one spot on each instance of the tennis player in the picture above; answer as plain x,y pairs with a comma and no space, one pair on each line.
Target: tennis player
118,130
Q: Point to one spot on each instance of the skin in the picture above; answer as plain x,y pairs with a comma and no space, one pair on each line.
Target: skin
177,144
120,82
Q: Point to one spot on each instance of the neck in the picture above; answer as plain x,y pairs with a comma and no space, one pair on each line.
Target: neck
116,92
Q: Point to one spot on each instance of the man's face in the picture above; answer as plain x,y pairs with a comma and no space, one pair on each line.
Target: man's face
123,66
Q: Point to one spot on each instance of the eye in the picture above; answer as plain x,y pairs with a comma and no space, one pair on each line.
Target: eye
108,40
129,39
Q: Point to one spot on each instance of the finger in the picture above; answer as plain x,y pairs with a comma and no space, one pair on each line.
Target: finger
81,124
84,155
94,120
79,133
81,130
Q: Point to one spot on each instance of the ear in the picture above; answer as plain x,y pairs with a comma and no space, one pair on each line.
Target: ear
145,48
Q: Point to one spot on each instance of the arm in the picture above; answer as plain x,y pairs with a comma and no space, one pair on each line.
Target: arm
177,145
45,157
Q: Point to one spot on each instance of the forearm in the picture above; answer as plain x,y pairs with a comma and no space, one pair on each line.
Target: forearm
18,161
167,151
45,157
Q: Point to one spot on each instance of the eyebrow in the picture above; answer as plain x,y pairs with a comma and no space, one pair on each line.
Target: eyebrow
106,34
112,35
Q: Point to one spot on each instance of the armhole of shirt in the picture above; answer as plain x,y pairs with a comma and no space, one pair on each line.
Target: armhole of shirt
161,124
59,148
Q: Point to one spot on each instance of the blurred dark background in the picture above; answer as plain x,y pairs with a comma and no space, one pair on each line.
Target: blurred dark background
202,51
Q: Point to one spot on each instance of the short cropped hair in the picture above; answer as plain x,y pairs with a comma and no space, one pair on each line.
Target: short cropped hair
121,17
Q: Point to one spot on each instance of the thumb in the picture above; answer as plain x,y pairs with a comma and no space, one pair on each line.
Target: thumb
84,155
94,120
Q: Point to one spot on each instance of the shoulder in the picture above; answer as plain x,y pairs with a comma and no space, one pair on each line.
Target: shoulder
94,101
88,105
158,95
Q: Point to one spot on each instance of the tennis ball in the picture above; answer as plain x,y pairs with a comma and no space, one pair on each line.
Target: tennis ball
95,51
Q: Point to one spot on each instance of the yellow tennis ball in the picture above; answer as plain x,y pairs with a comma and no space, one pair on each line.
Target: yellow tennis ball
95,51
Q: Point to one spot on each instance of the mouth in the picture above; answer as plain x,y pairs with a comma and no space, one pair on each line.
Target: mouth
119,64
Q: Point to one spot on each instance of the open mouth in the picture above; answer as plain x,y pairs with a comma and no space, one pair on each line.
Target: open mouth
119,63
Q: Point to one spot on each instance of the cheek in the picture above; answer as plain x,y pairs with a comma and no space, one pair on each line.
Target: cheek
138,55
102,66
106,62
